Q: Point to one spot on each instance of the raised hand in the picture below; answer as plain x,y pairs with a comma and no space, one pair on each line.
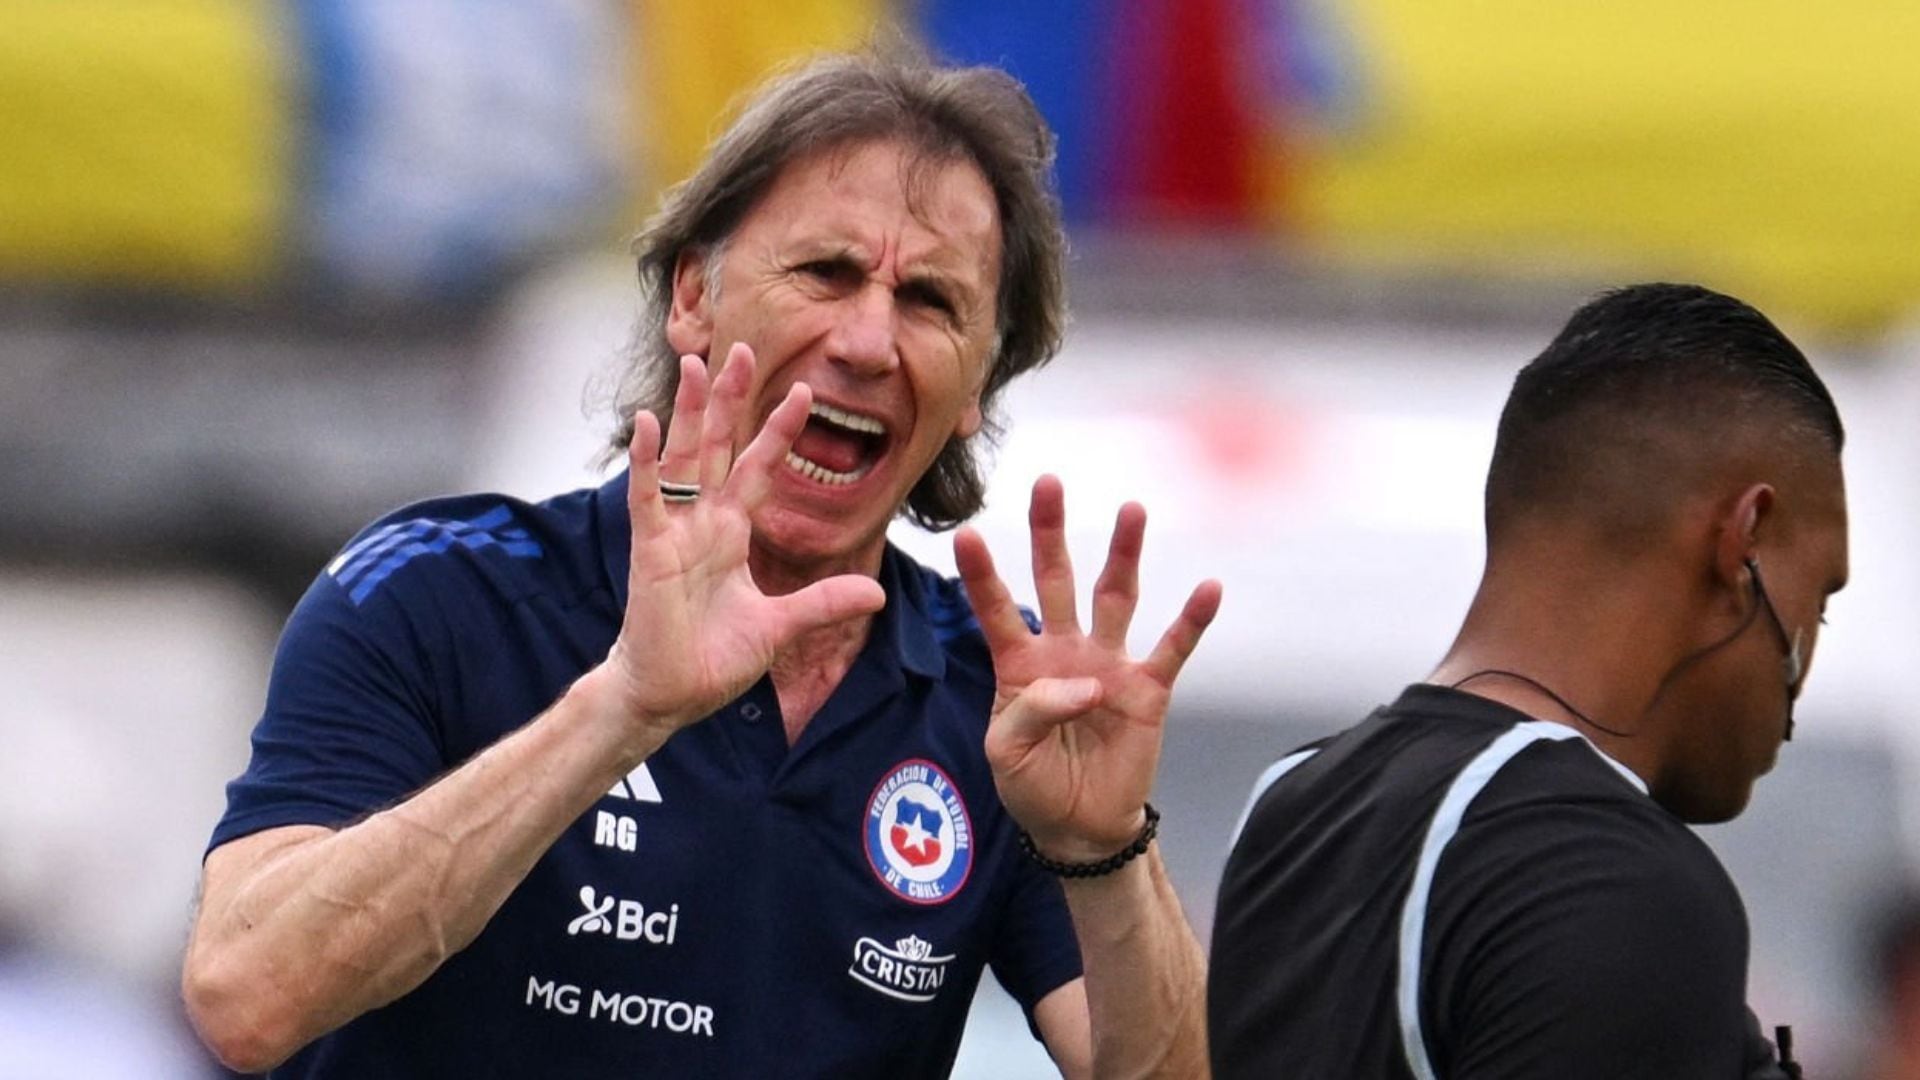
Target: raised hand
697,630
1076,729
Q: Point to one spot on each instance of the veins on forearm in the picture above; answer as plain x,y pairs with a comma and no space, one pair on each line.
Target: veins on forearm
1131,927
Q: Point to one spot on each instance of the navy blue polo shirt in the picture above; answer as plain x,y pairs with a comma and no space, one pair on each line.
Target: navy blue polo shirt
734,907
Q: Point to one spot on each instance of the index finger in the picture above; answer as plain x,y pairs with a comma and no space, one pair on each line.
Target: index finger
994,607
753,473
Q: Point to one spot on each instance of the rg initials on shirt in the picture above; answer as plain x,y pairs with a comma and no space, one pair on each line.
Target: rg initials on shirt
615,830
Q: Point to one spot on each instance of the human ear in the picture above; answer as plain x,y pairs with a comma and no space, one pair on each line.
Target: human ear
1737,540
972,419
689,313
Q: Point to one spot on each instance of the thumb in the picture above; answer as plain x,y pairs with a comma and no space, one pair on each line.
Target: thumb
1043,705
824,603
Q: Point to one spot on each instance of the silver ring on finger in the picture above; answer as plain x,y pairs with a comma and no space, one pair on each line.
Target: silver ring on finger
675,492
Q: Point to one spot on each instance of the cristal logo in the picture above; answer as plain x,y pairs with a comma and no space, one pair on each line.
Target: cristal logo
908,971
626,920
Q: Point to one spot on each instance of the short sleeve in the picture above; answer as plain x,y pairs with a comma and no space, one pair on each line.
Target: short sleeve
1034,950
1585,941
348,725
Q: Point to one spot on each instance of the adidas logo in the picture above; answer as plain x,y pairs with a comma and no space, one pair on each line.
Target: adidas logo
637,785
616,830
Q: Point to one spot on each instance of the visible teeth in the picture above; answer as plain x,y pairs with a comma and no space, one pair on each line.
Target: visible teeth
823,475
866,425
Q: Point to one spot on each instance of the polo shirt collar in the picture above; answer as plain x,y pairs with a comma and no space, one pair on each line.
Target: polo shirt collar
1461,705
902,630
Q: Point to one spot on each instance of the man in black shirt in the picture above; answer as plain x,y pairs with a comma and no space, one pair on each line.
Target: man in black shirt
1492,877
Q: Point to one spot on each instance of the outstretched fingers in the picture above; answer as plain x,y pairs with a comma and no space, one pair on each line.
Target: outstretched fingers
680,459
1178,643
753,474
1052,567
725,406
1117,592
645,512
993,606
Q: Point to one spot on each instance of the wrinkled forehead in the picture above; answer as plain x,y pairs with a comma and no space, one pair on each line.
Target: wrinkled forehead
924,164
929,174
858,195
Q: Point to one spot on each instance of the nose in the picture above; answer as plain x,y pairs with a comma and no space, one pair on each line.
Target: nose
865,340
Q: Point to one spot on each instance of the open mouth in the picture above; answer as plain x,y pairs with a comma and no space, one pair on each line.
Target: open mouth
837,446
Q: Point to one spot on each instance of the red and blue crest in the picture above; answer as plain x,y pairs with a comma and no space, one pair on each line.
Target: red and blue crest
919,838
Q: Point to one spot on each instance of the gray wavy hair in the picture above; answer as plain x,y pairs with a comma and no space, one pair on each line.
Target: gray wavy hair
978,115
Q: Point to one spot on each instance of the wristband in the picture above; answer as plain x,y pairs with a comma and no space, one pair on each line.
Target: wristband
1102,867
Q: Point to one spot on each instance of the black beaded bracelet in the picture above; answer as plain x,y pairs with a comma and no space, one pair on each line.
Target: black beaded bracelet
1104,866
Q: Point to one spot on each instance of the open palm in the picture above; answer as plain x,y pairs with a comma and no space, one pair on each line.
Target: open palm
1077,723
697,630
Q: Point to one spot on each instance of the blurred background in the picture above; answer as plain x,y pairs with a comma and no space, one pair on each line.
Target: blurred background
271,267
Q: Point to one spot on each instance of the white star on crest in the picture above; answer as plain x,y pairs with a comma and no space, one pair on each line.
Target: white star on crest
917,836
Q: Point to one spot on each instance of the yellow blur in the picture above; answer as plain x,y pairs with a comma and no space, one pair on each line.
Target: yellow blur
144,140
1770,147
696,57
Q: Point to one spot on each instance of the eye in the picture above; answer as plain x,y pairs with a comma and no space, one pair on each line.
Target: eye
928,296
831,271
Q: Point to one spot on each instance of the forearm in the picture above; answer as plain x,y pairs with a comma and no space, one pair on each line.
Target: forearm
1145,973
295,940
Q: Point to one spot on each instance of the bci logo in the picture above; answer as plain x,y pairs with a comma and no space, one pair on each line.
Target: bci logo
626,920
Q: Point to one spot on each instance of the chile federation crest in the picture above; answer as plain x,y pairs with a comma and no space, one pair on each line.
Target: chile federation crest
919,838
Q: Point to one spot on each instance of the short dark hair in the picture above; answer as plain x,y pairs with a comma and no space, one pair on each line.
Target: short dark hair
1589,419
977,115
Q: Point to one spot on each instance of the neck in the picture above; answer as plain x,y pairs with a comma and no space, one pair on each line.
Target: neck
807,671
777,574
1591,654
